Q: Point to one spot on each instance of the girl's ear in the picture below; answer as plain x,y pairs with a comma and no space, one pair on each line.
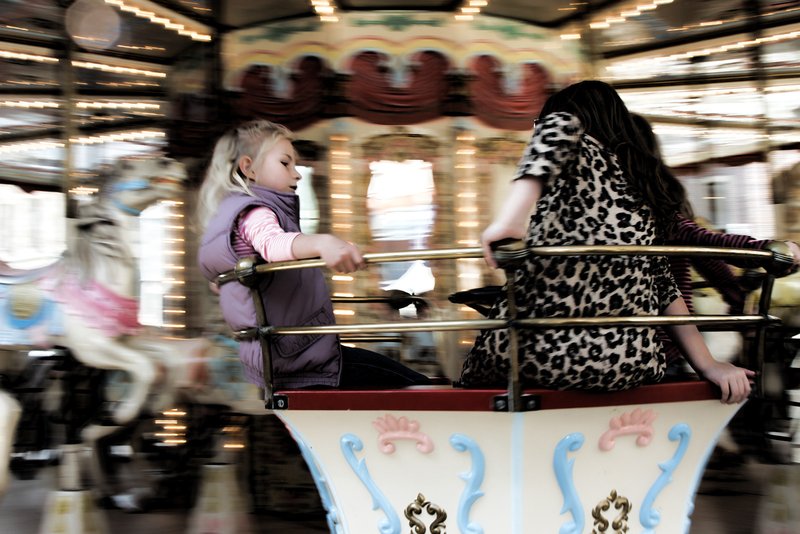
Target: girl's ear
245,167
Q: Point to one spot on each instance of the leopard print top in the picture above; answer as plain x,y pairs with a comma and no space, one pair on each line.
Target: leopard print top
586,199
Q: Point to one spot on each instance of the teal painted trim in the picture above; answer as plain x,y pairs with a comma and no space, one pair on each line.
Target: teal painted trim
648,517
350,443
563,470
473,479
331,513
517,475
512,31
397,23
280,32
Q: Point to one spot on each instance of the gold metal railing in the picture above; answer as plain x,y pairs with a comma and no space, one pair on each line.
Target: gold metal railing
509,257
475,252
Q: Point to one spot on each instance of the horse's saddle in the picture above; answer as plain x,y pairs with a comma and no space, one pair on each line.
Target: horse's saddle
27,308
11,276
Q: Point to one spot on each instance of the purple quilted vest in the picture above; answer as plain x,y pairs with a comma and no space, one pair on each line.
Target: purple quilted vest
298,297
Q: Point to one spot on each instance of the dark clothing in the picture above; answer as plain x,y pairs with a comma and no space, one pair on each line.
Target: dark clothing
364,369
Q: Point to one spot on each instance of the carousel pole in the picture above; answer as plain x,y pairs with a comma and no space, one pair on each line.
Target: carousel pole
221,506
71,508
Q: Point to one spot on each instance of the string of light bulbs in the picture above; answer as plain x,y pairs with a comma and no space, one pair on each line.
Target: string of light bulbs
325,10
469,9
168,19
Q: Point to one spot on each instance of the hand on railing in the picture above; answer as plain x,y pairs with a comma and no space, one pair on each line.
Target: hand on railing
509,252
786,257
734,382
497,235
340,255
785,261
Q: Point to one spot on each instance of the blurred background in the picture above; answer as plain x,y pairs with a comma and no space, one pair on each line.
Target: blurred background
410,116
435,95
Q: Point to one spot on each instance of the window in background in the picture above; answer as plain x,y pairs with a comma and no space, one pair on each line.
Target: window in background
161,270
400,200
734,199
152,264
309,207
32,227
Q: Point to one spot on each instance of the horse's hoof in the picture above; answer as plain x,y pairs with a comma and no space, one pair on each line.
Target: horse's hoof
125,412
127,502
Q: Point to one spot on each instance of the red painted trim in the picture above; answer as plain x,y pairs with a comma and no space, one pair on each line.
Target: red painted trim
448,399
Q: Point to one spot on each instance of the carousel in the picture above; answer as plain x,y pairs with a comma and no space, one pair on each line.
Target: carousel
120,385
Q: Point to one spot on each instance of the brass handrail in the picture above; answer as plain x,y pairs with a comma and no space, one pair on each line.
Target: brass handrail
545,322
509,257
565,250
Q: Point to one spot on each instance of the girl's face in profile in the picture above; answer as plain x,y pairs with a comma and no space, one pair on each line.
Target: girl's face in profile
275,168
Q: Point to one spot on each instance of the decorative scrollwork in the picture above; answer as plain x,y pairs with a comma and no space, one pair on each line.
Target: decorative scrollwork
648,516
638,422
562,466
417,525
620,523
391,428
474,479
321,481
391,523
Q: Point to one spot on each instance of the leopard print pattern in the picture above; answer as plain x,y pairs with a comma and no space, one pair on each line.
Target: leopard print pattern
586,200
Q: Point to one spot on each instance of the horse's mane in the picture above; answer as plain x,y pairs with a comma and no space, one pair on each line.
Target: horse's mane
98,234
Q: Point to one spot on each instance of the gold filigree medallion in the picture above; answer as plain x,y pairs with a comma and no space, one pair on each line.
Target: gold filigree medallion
620,523
414,510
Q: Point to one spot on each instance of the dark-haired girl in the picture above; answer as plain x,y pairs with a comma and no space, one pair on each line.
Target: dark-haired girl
591,180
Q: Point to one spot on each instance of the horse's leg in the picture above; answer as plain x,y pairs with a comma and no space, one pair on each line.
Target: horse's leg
184,362
10,412
94,349
97,473
124,484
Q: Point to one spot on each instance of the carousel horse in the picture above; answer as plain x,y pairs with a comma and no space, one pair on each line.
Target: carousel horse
87,301
9,416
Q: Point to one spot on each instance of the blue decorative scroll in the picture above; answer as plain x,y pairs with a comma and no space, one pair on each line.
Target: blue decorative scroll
563,470
349,444
473,478
648,517
321,482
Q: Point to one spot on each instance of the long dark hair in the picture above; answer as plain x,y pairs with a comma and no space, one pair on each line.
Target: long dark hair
650,139
606,118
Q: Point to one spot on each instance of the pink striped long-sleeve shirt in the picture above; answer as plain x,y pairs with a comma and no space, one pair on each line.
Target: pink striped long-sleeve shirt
258,230
715,271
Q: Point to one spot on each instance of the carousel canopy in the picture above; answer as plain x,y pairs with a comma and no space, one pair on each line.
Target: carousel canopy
119,92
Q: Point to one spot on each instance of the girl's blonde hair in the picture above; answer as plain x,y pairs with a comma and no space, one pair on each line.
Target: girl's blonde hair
253,139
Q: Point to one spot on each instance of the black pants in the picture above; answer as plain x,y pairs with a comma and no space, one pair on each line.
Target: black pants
364,369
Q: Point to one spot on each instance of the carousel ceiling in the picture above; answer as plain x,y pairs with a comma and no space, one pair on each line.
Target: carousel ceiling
121,55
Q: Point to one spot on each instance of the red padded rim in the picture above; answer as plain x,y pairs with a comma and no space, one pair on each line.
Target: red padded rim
449,399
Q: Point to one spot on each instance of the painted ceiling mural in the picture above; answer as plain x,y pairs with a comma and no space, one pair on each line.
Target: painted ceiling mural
396,69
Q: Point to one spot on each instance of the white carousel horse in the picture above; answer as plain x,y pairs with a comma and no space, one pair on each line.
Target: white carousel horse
9,416
88,301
